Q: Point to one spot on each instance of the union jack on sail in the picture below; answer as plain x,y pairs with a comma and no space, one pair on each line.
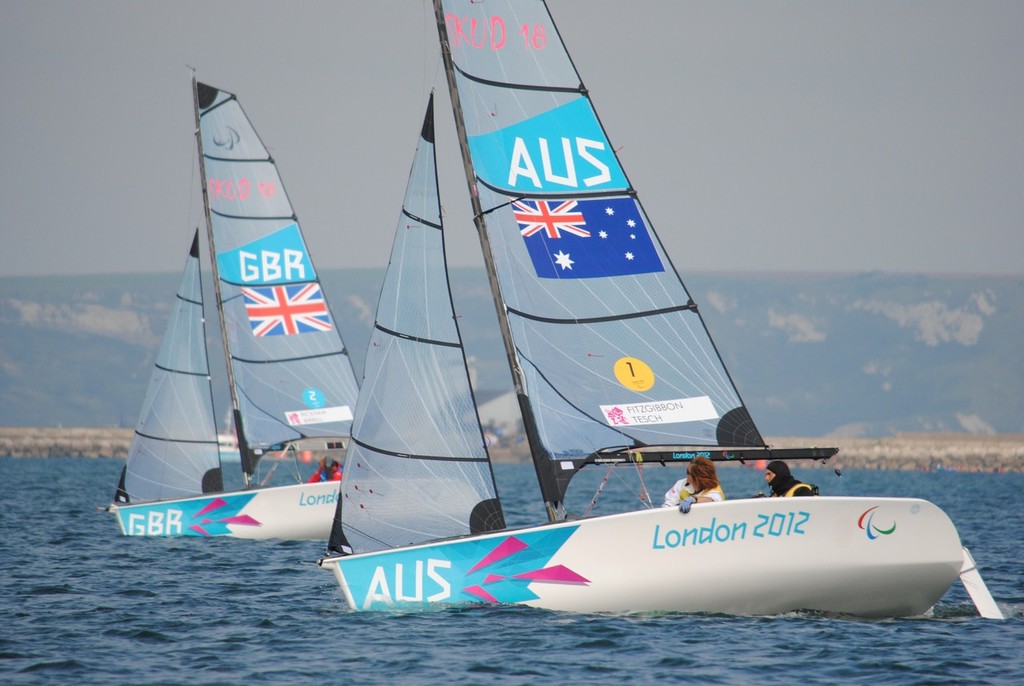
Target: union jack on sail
286,310
552,219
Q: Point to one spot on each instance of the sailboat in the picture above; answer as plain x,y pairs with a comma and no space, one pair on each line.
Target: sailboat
612,364
289,376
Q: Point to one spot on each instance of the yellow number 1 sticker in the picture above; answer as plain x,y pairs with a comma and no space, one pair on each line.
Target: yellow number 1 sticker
634,374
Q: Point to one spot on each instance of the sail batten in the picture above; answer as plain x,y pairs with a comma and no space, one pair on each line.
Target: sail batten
520,86
598,320
419,456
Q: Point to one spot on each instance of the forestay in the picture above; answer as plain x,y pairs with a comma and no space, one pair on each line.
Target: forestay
292,377
417,467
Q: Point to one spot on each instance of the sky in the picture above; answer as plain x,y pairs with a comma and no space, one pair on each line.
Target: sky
799,135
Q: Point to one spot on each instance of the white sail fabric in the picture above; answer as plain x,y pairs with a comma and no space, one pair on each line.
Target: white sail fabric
174,449
417,467
612,349
292,373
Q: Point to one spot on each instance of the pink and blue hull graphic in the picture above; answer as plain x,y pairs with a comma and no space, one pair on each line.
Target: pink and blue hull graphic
496,569
198,517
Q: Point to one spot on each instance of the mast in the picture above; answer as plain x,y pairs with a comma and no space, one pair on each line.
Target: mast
537,452
243,448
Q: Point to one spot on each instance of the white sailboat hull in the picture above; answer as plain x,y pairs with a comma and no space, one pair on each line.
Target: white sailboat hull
294,512
866,557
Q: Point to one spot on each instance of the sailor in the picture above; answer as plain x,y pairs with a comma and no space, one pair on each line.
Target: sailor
783,484
701,485
329,470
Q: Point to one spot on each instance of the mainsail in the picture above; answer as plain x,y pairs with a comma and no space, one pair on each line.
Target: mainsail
290,375
417,466
609,352
174,452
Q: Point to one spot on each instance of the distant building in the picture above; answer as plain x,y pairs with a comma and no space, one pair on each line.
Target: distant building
499,410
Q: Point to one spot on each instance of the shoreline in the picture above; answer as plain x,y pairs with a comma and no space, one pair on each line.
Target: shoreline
905,452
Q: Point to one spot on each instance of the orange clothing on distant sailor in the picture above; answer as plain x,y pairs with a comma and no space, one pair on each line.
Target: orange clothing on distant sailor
319,474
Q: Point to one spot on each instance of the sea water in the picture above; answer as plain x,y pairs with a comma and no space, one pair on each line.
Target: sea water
80,604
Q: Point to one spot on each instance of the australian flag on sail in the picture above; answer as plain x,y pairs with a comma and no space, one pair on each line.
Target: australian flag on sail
581,239
286,310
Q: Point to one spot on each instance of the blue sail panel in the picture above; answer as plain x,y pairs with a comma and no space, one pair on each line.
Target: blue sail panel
273,258
560,150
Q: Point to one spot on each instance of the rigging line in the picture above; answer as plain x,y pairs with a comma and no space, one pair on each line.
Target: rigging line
416,339
410,456
269,474
597,493
568,402
644,495
497,207
269,416
691,306
580,89
362,533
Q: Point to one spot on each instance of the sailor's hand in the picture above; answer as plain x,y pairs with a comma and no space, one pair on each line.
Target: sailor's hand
685,505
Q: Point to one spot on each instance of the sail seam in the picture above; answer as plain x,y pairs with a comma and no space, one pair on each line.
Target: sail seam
416,339
409,456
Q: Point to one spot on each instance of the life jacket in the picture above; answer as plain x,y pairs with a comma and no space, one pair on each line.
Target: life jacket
811,490
715,489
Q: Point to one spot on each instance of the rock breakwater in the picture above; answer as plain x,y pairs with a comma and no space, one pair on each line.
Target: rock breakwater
911,452
70,442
